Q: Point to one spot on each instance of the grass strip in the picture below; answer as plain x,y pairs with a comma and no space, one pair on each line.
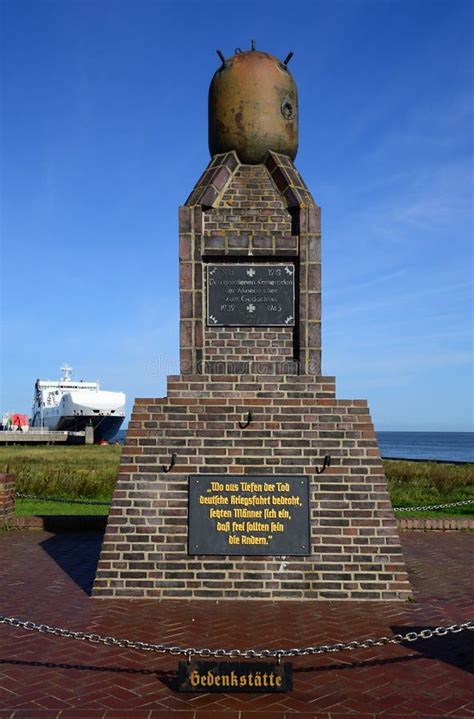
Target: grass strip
412,484
87,471
90,471
32,507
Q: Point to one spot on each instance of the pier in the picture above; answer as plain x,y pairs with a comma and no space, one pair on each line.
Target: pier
44,436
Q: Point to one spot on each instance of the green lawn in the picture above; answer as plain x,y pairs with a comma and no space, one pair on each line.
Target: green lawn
29,507
89,472
413,484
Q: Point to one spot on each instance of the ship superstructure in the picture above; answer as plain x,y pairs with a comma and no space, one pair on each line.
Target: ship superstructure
72,405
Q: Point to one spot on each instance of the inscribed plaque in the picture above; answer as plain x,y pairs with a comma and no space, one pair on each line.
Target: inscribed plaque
248,515
251,294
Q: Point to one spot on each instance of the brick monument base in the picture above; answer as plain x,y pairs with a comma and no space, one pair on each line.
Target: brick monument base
260,219
296,421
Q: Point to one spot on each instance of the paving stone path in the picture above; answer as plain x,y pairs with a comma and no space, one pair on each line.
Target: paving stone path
47,578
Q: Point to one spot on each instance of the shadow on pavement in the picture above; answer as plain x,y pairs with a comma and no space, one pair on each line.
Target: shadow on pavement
77,553
455,649
360,664
170,679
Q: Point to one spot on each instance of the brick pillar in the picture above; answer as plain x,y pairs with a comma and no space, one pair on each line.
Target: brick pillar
7,501
250,213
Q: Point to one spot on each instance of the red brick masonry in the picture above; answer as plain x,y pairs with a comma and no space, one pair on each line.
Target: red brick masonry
7,500
355,549
443,524
251,213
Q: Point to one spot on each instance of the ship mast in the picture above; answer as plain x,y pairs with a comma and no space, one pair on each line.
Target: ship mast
66,370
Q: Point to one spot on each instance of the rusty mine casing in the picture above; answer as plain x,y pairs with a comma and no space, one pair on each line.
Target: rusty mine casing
253,108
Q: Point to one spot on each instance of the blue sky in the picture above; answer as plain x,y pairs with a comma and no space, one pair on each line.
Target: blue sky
104,134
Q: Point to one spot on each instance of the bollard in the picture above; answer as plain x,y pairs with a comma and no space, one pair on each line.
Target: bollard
7,499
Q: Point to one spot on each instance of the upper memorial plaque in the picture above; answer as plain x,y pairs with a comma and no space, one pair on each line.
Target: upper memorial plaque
250,294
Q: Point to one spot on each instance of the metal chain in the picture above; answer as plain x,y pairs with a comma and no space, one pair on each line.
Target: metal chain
20,495
242,653
433,506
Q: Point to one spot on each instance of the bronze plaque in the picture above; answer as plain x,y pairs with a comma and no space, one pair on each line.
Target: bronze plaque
208,676
248,515
251,294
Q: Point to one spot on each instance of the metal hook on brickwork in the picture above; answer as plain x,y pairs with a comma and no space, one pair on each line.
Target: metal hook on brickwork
326,463
173,462
243,425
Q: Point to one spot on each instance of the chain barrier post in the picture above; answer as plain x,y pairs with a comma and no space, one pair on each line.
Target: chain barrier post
7,498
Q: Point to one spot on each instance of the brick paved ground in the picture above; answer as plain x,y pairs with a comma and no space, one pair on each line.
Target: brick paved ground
47,578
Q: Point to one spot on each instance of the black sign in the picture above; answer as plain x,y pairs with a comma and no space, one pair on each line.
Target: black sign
246,294
205,676
248,515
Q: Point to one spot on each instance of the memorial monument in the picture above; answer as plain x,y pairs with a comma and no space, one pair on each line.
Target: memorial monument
250,480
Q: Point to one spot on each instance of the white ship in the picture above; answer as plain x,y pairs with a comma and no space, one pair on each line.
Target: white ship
70,405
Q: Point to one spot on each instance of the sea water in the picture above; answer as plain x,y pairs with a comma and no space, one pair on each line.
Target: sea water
447,446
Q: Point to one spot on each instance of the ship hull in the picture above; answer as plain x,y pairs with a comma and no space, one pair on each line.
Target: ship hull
105,427
72,406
